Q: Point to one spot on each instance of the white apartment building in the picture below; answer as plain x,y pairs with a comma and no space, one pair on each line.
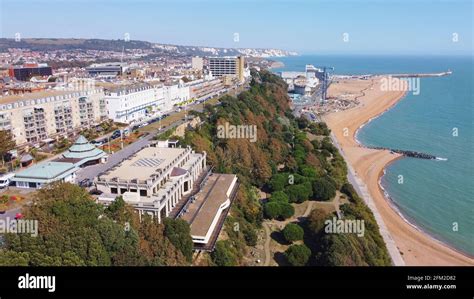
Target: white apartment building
132,103
135,103
175,95
39,116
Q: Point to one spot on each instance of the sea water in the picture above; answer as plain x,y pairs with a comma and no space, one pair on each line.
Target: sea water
437,196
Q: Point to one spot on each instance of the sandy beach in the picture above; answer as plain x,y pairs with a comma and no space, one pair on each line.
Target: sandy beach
415,246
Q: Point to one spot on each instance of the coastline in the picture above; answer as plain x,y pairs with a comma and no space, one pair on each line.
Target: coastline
415,246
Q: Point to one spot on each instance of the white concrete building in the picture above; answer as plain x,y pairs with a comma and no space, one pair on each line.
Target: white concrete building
153,180
133,103
175,95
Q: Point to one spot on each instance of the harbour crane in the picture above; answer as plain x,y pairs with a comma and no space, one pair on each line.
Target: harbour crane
326,81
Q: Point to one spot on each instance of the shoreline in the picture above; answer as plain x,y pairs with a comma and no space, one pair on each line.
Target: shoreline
409,220
416,246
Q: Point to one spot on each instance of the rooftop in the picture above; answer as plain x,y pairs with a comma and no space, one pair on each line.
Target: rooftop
144,164
202,212
36,95
46,171
82,149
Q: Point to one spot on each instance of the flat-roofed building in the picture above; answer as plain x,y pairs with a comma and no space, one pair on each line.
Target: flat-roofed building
109,69
132,103
34,117
227,66
136,102
202,88
27,71
153,180
206,211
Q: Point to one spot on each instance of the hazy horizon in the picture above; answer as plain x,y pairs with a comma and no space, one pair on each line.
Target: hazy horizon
307,27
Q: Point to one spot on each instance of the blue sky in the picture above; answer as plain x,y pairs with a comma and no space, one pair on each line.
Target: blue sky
370,26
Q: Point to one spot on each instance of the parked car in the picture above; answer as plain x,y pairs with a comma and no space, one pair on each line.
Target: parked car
18,216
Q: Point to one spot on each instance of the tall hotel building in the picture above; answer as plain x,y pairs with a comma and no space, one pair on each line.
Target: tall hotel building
39,116
227,66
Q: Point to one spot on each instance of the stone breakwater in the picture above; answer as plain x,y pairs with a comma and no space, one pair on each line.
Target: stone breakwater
412,154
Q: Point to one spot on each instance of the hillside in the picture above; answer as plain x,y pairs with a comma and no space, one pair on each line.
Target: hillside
49,44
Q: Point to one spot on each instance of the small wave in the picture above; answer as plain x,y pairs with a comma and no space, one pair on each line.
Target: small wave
441,159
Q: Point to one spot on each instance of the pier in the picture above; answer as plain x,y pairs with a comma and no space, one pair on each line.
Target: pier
414,75
422,75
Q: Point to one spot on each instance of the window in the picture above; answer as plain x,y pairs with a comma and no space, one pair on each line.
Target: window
113,190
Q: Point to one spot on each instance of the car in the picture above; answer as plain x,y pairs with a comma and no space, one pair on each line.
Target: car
18,216
98,142
85,183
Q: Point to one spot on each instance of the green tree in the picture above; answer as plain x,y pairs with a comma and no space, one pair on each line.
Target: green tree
279,181
323,189
279,196
287,210
223,254
179,233
299,193
293,232
298,255
272,210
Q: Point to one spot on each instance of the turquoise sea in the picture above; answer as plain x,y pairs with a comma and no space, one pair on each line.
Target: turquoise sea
435,196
